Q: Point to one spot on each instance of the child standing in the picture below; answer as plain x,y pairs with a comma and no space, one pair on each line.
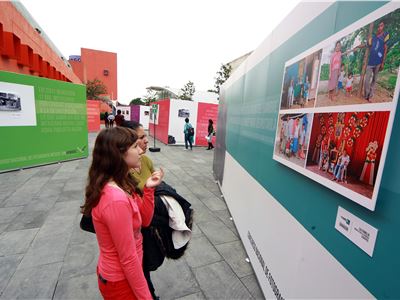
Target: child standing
340,86
349,84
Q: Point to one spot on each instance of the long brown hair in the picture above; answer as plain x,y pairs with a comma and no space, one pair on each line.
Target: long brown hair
108,164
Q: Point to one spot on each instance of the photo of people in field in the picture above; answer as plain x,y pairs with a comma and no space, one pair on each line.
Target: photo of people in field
300,82
346,148
361,67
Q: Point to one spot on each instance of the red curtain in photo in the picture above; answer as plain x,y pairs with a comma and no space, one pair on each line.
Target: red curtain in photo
325,126
374,131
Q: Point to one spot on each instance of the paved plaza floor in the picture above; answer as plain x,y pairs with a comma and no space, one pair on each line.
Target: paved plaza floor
45,255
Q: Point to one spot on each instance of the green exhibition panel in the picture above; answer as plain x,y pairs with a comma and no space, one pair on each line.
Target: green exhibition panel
308,152
41,121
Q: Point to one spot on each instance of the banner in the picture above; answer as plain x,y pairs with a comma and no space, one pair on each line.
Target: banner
93,115
41,121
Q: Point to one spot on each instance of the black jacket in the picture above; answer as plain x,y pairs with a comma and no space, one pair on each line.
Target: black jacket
157,238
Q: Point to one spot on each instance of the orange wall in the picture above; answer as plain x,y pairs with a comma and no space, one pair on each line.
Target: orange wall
92,65
23,50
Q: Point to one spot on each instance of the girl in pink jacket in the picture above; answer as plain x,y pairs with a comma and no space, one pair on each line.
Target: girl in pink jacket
118,213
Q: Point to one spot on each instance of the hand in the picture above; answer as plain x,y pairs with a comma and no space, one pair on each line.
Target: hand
155,178
381,67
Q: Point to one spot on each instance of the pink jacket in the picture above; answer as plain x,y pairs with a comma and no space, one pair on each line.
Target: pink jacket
118,218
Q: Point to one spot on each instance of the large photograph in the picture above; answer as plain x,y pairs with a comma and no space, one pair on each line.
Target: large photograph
346,148
362,67
300,82
17,105
9,101
292,138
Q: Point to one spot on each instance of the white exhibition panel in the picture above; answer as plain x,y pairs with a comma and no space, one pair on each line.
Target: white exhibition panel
144,116
178,111
297,265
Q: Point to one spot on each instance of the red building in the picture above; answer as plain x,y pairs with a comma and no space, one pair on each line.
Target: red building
98,64
25,48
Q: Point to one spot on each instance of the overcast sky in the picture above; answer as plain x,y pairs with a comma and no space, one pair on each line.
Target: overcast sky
160,42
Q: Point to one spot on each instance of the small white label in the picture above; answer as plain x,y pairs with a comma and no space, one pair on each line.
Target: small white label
356,230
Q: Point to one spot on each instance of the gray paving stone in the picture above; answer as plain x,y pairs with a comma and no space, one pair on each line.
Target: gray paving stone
7,214
16,242
217,281
46,249
174,279
252,286
28,219
235,255
80,259
73,195
79,236
225,217
41,203
202,213
75,185
61,218
201,252
8,265
217,232
196,230
80,287
195,296
28,191
33,283
213,203
3,227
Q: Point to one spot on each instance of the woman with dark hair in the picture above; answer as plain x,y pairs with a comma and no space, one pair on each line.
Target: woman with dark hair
210,134
118,213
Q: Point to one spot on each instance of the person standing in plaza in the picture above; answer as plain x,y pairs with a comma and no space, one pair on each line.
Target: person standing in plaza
111,118
106,122
188,131
119,118
210,134
118,213
141,174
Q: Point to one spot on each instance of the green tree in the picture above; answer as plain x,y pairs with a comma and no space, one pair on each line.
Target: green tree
222,75
150,97
137,101
187,91
94,89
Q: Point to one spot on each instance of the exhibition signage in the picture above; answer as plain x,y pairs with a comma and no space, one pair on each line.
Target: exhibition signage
337,106
93,115
41,121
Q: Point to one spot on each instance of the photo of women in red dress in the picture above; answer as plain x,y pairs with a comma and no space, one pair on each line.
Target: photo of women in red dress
346,148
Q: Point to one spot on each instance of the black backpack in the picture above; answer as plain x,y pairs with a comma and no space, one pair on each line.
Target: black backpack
190,131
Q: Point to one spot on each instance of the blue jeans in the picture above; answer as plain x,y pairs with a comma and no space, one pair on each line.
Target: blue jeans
188,139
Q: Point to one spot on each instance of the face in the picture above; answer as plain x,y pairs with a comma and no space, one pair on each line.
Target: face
380,27
132,156
142,139
338,46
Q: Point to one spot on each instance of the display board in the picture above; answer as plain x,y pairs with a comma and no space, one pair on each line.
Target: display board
205,112
321,194
179,111
41,121
336,93
93,115
144,116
